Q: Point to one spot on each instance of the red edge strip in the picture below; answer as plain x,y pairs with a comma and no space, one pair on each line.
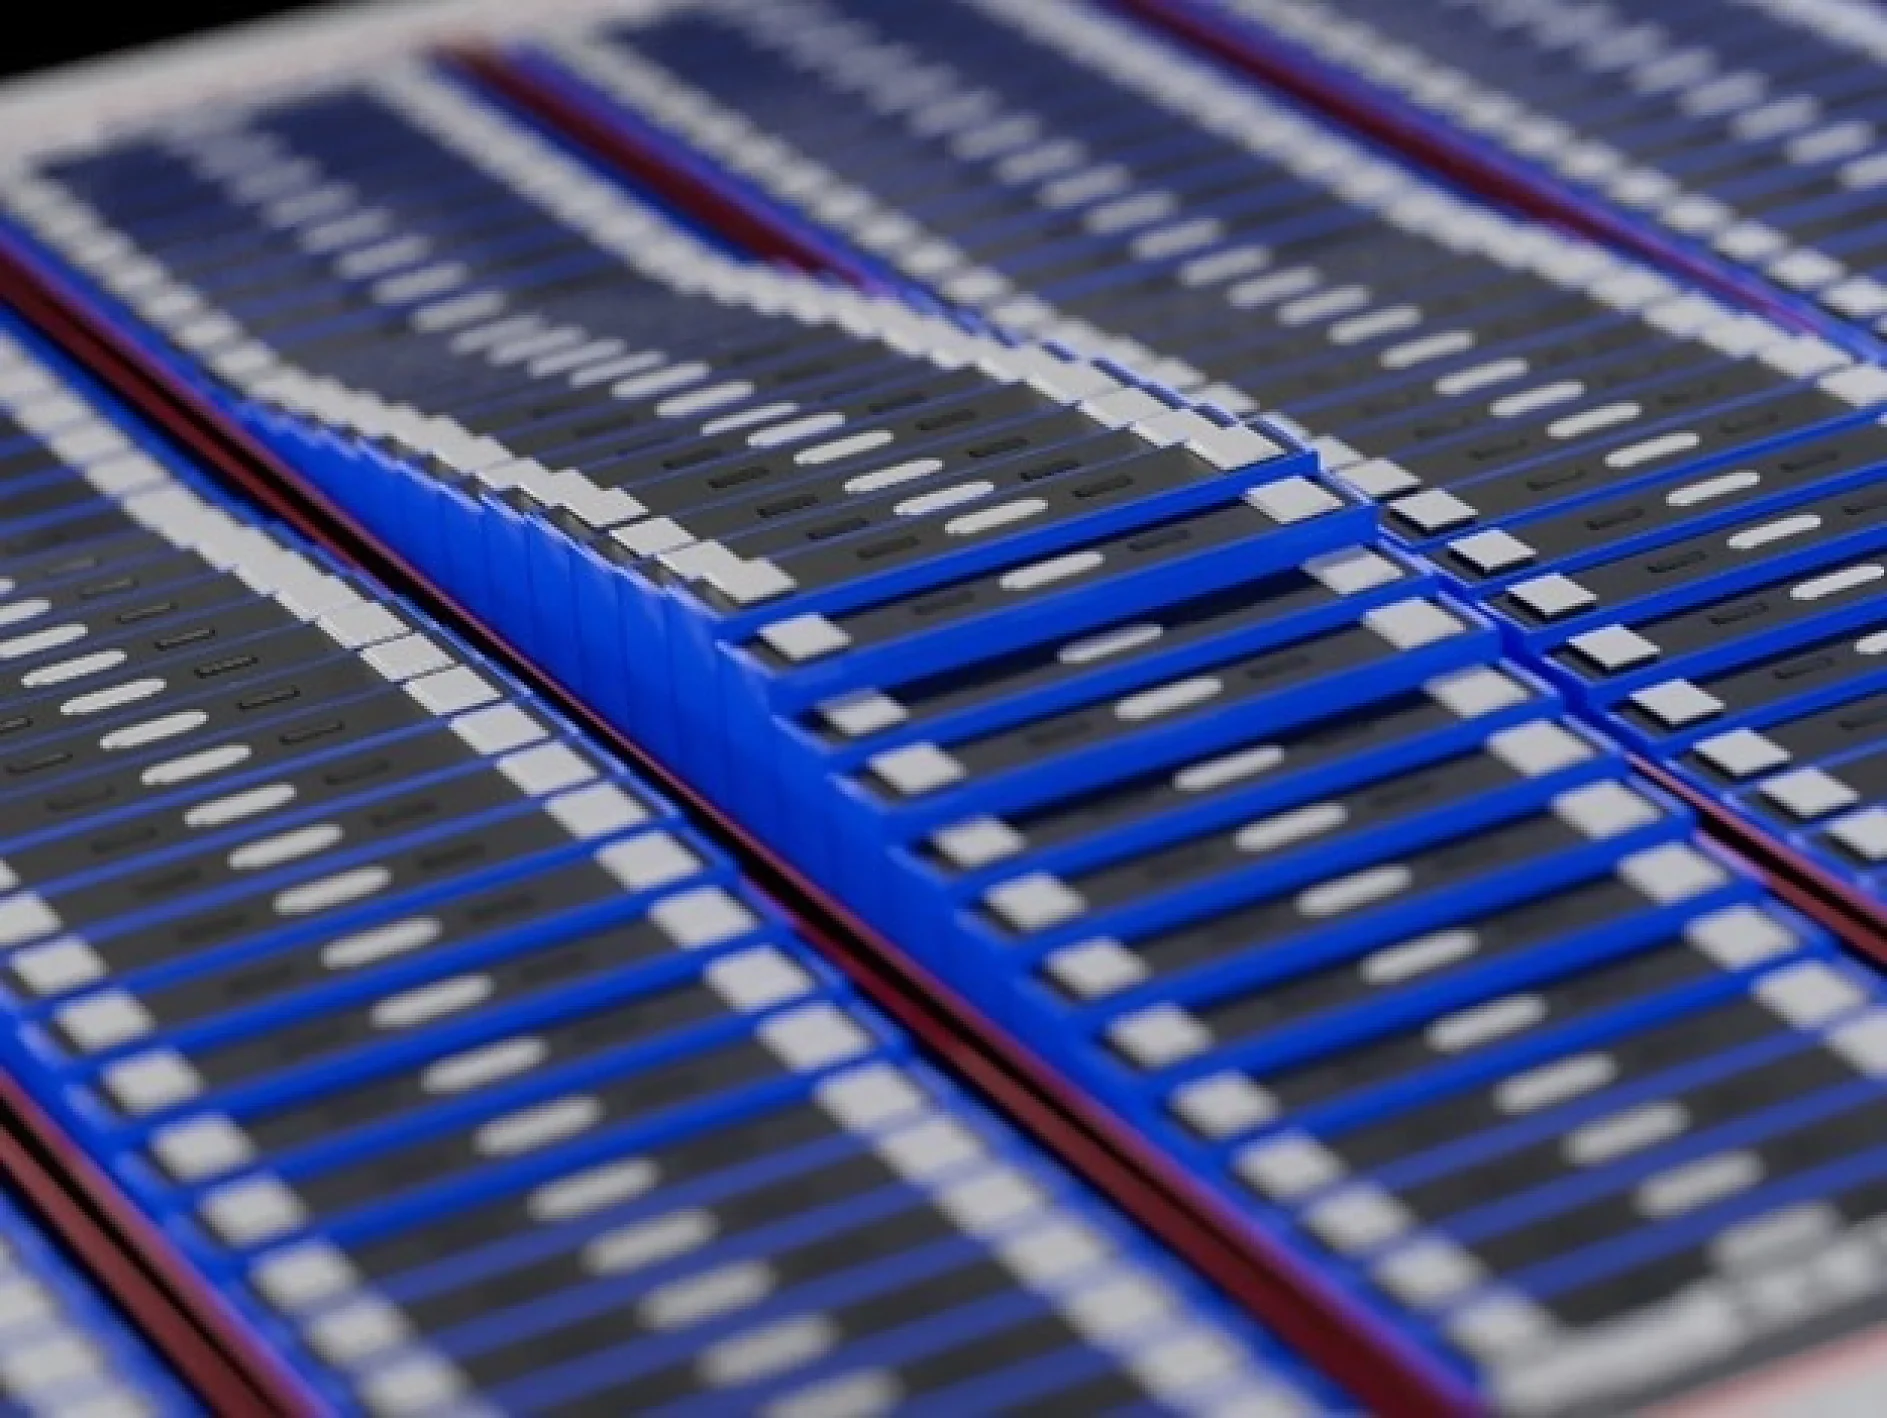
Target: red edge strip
698,198
131,1262
1303,76
1385,1372
1857,920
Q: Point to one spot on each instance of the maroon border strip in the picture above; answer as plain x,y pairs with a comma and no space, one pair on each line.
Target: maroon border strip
699,198
1387,1373
135,1265
1856,919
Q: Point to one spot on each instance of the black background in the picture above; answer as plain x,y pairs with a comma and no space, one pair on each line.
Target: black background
54,31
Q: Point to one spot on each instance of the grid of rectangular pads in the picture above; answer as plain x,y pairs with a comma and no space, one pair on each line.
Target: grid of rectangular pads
1673,508
1099,700
454,1061
1744,134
